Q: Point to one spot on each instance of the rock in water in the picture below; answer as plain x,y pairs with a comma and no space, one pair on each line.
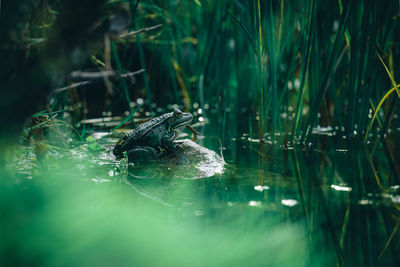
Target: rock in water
189,161
197,160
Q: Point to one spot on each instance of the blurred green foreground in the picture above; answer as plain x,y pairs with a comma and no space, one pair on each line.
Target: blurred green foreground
53,220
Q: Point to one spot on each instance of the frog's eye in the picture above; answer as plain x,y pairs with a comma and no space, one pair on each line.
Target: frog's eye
177,113
172,119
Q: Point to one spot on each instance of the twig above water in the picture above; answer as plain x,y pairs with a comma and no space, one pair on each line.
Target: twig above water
222,156
90,77
74,85
84,75
194,131
133,33
131,74
220,149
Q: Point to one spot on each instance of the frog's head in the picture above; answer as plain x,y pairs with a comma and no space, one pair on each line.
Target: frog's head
177,121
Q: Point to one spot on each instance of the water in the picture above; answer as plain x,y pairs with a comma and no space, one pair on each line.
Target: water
335,202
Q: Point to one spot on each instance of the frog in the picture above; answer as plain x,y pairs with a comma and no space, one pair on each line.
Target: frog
154,138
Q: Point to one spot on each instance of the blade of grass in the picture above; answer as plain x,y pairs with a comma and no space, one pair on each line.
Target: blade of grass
209,51
299,180
308,36
346,31
130,116
390,75
356,61
145,77
181,80
324,206
377,110
246,32
271,75
317,101
389,240
123,82
373,110
377,179
389,116
260,74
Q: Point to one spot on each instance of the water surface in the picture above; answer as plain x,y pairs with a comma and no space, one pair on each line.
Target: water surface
333,201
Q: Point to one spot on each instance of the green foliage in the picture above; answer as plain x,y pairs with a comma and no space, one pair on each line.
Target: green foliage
264,59
93,145
284,65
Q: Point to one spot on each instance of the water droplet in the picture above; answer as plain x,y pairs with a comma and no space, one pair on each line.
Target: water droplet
261,188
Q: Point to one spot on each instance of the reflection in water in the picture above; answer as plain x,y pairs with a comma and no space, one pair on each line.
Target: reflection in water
253,203
341,187
347,203
261,188
289,202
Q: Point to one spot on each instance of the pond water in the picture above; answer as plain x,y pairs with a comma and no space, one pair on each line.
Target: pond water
333,203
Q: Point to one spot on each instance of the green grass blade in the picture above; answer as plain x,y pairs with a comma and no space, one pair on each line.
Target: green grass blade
390,75
377,110
318,99
308,37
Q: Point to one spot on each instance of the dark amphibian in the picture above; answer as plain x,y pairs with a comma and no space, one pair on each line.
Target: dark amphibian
153,138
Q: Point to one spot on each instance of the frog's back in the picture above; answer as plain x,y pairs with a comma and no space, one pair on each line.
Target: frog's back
136,136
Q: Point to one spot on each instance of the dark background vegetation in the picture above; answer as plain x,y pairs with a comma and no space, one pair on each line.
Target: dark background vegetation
280,65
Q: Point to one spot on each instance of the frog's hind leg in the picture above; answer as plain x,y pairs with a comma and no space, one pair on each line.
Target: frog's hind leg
142,154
